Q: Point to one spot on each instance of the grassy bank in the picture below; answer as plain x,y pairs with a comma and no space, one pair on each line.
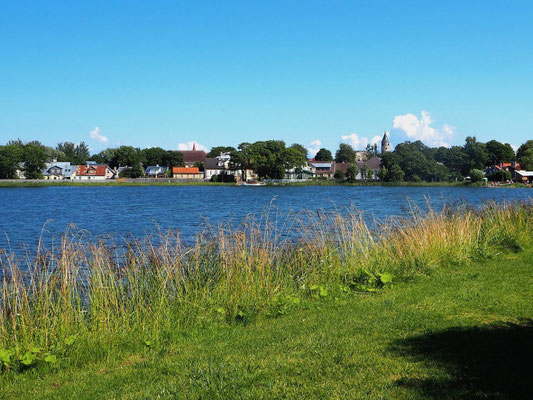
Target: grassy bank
462,332
86,302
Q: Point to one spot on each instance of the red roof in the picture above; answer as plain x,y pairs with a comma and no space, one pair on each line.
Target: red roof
91,170
192,156
183,170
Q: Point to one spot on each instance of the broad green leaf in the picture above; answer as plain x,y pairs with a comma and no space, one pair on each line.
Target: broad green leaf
50,358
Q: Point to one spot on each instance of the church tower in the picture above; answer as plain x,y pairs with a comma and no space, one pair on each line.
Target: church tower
385,143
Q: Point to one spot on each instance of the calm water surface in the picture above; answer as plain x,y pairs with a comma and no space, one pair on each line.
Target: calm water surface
140,210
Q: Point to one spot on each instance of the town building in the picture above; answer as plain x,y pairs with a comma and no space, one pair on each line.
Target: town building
385,143
94,172
192,157
59,171
187,173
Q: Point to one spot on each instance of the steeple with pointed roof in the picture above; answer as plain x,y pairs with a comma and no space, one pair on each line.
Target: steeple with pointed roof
385,143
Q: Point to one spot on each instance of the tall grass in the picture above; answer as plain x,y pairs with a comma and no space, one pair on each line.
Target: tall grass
102,294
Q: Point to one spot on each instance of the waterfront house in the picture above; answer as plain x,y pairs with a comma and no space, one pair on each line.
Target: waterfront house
218,165
373,164
156,172
322,169
187,173
94,172
523,176
58,171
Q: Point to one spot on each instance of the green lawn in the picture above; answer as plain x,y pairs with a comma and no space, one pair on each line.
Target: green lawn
463,332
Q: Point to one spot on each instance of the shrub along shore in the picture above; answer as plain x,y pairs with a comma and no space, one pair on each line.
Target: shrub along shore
78,302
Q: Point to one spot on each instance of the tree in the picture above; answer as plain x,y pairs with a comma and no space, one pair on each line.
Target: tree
323,155
215,151
351,172
154,156
301,148
523,152
499,152
345,154
476,175
364,172
526,160
73,153
395,173
369,174
10,158
476,152
454,158
34,158
172,158
500,176
131,157
339,175
382,174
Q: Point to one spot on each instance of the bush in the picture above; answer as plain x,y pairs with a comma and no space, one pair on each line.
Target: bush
339,175
476,175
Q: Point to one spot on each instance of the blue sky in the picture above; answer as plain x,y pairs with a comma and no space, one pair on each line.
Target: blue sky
168,73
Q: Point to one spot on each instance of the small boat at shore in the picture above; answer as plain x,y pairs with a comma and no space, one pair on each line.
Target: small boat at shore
253,183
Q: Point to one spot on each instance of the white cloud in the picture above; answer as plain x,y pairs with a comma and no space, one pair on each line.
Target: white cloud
358,143
421,129
189,146
314,147
515,147
95,135
376,139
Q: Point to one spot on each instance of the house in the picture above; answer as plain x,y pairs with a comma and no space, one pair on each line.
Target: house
509,166
94,172
156,171
523,176
187,173
322,169
373,164
191,157
217,166
55,171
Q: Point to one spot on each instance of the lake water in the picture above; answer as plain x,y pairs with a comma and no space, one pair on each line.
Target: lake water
26,213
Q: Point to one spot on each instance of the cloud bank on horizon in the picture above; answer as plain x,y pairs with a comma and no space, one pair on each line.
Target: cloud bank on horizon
420,129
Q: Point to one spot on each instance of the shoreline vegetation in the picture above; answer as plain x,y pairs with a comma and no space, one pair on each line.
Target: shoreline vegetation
172,182
90,300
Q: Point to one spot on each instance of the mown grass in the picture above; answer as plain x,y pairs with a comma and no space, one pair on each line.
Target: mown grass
89,301
462,332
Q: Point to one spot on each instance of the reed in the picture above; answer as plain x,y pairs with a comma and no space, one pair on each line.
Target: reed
86,295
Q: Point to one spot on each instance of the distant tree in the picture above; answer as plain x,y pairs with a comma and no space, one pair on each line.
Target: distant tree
369,174
215,151
339,175
526,160
499,152
53,154
345,154
153,156
301,148
74,153
323,155
500,176
364,172
34,158
454,158
476,152
382,174
10,158
523,154
395,173
172,159
476,175
351,173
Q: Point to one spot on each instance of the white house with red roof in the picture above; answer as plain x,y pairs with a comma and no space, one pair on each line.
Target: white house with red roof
94,172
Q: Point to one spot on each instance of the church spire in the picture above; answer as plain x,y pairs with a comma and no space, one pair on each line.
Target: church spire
193,146
385,143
